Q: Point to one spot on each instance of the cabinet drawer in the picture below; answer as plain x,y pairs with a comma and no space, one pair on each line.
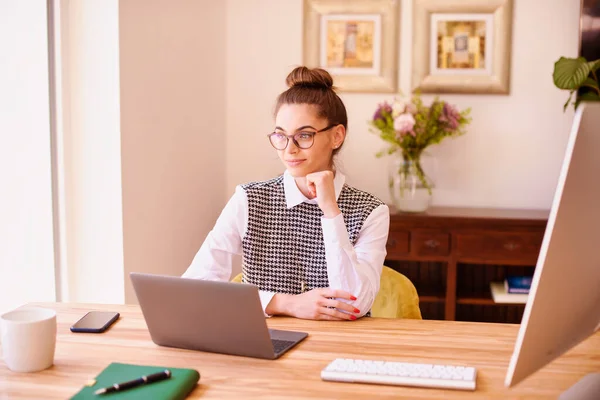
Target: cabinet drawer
397,244
521,247
425,243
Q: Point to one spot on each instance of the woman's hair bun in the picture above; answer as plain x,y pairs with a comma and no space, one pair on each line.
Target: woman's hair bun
310,78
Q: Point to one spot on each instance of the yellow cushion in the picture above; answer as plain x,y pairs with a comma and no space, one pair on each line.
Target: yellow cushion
397,296
237,278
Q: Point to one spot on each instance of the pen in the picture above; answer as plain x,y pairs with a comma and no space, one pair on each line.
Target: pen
146,379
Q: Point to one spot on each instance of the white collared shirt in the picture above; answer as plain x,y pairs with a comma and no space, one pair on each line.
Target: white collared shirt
354,269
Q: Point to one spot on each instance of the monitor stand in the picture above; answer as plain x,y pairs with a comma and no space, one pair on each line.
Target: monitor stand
586,389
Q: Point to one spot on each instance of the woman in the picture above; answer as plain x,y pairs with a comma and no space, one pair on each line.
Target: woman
313,245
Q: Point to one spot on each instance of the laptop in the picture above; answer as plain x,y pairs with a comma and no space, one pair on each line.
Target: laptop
212,316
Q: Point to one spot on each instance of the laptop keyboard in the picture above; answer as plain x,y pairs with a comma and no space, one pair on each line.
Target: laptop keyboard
280,345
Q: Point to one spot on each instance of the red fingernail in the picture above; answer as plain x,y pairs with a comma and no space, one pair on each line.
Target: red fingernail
353,317
352,298
356,310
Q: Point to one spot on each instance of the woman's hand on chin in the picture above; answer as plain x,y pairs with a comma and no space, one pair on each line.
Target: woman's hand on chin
320,185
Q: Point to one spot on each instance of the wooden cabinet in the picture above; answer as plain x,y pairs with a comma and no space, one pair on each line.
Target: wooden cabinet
397,243
452,254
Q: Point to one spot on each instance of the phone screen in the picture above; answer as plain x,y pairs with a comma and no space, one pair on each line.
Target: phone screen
95,321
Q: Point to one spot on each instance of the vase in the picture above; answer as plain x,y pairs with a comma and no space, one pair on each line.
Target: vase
411,188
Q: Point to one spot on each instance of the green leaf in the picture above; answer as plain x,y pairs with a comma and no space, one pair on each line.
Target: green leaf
570,73
589,82
568,101
589,96
595,65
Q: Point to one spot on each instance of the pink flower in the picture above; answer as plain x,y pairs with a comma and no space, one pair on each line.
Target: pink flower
404,123
450,116
383,110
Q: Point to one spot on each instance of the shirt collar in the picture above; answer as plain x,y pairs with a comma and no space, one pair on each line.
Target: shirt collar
293,195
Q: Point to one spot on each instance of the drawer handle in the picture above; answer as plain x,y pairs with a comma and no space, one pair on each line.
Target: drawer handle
431,243
391,243
510,246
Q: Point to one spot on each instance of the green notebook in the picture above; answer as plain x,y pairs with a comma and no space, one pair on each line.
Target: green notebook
178,386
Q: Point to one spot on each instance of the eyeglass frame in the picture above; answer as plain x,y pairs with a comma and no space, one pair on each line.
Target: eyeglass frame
287,143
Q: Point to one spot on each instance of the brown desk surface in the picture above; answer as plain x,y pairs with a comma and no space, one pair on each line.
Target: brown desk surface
488,347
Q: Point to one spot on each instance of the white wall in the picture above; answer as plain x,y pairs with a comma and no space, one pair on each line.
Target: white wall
26,238
173,130
142,111
510,156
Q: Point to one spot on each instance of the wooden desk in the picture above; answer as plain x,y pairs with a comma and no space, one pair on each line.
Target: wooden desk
452,254
79,357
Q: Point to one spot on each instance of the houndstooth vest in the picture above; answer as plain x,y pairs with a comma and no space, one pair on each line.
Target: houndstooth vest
283,249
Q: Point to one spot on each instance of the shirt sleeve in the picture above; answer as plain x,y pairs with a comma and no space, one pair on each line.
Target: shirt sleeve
215,258
357,269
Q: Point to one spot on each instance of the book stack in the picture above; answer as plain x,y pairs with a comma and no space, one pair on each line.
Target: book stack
514,290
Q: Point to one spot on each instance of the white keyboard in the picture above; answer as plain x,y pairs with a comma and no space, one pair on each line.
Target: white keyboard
401,373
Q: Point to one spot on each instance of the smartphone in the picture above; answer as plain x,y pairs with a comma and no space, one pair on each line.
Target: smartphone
95,321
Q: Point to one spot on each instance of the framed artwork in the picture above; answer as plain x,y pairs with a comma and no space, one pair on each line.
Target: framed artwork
462,46
355,41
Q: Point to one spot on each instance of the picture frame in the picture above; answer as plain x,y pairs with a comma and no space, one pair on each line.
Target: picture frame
462,46
357,42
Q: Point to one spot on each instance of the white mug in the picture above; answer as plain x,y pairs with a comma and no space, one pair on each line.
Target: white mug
28,336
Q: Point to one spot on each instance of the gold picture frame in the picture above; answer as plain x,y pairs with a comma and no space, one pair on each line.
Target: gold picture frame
462,46
355,41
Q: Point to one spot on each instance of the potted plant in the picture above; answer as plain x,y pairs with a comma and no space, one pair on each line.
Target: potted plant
409,128
573,74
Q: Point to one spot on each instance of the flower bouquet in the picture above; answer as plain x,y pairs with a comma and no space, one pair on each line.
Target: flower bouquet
409,128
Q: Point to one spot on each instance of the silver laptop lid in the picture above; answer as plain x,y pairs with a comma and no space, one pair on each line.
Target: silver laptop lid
220,317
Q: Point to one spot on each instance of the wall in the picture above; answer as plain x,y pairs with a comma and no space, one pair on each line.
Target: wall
26,238
510,156
141,116
172,61
196,82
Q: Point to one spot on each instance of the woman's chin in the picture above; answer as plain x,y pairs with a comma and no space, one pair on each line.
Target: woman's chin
296,175
297,172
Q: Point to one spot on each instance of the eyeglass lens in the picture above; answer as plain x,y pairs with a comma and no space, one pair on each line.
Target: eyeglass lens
303,140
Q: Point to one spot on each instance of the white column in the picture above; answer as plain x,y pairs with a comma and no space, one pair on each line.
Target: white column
92,267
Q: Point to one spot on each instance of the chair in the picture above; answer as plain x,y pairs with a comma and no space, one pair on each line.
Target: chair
397,296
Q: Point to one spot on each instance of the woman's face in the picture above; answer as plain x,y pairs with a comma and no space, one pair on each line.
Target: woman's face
313,151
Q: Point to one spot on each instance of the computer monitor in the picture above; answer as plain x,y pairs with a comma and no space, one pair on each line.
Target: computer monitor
563,307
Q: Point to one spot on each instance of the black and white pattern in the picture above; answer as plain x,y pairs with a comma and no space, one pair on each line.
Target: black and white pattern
283,249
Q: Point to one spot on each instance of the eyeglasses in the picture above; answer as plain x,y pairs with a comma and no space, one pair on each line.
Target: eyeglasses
303,140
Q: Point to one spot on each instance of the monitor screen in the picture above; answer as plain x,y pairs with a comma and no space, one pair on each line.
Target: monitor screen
563,307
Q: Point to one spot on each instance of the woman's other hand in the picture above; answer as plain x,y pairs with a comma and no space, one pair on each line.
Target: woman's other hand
318,304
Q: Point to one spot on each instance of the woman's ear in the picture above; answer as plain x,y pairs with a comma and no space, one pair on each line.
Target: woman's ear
339,134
